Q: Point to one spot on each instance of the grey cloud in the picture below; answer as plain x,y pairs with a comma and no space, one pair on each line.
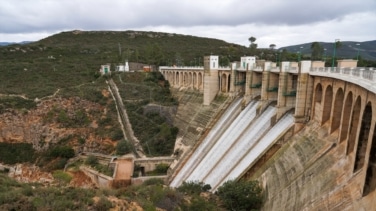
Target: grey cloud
35,15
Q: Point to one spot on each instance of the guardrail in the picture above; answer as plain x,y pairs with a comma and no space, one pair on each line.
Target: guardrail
362,76
359,72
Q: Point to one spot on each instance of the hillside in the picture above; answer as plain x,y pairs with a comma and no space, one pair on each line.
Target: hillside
72,58
348,50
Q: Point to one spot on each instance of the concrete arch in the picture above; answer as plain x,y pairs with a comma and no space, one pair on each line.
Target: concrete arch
346,117
229,83
224,83
355,116
173,78
190,79
327,106
167,76
194,80
370,179
363,137
317,108
337,110
200,79
185,79
177,81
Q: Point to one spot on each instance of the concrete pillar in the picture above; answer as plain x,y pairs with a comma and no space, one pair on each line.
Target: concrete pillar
233,75
304,96
248,82
210,86
265,85
283,75
211,81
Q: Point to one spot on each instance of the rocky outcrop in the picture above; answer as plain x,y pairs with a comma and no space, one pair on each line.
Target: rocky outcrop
34,126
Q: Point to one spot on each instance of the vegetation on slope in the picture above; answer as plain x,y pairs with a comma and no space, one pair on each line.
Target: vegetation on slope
70,59
149,196
151,126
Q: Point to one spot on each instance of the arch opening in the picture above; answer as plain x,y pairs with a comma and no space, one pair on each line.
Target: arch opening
317,102
370,180
363,138
337,110
345,117
327,105
353,126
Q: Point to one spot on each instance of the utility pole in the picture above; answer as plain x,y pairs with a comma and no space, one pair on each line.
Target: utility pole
357,55
119,50
334,52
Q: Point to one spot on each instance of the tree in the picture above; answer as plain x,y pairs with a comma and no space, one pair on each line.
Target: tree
252,39
317,51
240,195
253,45
224,61
272,46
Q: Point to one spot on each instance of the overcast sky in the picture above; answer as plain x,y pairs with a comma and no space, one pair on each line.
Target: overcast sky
279,22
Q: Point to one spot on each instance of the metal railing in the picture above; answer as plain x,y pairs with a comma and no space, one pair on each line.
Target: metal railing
357,72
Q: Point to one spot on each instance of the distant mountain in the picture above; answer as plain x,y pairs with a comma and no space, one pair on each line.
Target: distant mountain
13,43
348,50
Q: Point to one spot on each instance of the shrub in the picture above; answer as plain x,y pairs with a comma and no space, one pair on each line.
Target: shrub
193,187
117,134
241,195
103,204
198,203
62,176
161,168
153,181
62,151
91,160
123,147
11,153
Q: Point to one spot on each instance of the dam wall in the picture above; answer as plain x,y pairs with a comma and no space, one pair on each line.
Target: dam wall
325,157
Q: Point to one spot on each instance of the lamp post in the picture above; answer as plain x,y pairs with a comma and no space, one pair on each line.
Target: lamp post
334,51
357,55
324,55
300,53
276,58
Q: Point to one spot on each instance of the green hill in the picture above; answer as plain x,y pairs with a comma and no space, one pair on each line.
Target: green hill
73,58
348,49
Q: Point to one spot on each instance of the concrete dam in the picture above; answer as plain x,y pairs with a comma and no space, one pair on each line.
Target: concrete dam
306,132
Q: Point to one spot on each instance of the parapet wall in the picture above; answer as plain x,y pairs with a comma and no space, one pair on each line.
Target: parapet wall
101,180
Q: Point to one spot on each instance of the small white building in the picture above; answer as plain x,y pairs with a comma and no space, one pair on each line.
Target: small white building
105,69
247,62
123,68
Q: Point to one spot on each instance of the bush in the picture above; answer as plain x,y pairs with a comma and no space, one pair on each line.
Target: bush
103,204
11,153
198,203
241,195
153,181
161,168
123,147
91,160
62,177
193,187
62,152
